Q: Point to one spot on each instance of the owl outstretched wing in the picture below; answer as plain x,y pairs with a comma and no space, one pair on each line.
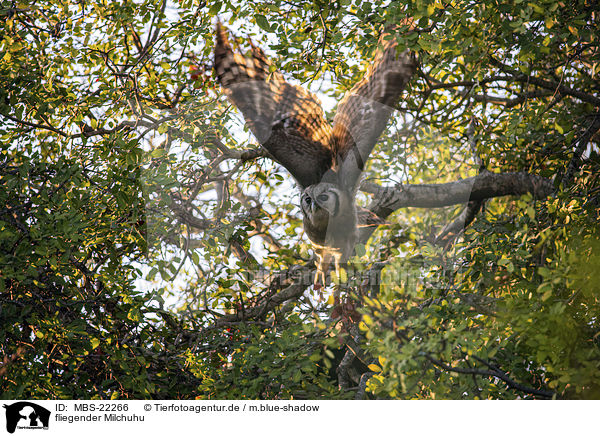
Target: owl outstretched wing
286,120
364,111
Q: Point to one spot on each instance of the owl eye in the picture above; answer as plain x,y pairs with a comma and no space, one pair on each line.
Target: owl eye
307,200
323,197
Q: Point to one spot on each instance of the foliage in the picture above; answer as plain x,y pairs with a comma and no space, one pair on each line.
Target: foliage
149,250
524,287
262,363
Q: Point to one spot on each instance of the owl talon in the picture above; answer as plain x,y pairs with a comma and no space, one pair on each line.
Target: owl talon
319,283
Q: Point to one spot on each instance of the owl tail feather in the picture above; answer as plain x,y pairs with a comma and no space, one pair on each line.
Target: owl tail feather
222,39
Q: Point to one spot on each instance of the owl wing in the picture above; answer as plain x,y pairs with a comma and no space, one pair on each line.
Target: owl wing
364,111
286,120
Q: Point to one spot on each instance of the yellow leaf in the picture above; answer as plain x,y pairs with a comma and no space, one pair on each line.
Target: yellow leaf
558,128
343,275
536,8
374,368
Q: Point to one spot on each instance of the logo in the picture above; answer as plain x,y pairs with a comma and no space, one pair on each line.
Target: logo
26,415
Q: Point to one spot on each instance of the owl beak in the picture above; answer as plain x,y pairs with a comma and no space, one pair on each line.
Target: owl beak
313,206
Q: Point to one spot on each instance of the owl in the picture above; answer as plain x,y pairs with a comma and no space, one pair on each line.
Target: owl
325,159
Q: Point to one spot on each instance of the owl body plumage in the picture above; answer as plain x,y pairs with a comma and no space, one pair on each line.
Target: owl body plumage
326,160
330,222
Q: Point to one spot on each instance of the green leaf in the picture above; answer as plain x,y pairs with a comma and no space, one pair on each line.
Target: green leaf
262,22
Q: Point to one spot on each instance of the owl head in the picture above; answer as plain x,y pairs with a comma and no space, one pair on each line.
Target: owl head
328,211
321,201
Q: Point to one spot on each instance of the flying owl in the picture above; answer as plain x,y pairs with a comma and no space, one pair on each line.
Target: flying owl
326,160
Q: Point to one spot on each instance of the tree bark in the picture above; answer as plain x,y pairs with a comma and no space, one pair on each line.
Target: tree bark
483,186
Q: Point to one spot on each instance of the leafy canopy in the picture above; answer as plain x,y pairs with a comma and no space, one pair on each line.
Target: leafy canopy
149,250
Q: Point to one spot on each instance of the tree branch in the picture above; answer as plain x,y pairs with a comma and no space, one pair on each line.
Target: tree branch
542,83
362,385
582,143
491,373
292,291
483,186
452,229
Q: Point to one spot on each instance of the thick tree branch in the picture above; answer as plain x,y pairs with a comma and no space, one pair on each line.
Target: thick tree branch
483,186
471,191
452,229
